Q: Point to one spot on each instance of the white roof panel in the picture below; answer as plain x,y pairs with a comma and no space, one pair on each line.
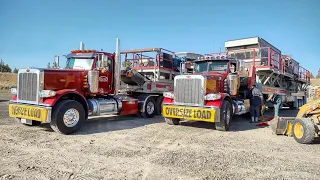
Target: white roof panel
241,42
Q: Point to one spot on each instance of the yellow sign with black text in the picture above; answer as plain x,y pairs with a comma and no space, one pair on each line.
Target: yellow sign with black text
28,112
189,113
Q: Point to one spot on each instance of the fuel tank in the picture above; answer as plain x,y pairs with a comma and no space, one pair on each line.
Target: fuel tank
102,106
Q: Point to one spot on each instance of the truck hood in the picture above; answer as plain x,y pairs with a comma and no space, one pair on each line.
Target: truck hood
57,79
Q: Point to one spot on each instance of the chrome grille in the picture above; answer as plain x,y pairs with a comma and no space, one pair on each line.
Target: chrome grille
27,86
189,91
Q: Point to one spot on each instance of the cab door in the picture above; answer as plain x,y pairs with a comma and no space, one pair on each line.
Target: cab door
105,75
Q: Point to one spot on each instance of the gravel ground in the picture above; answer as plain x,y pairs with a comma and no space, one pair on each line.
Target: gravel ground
133,148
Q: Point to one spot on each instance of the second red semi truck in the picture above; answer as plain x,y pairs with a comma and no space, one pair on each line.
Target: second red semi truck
218,87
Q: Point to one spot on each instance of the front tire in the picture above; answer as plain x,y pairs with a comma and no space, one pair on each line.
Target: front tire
67,117
304,131
225,117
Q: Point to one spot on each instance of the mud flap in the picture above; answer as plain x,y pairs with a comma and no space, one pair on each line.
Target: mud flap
281,125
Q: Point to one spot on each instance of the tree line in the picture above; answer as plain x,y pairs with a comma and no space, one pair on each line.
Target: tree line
6,68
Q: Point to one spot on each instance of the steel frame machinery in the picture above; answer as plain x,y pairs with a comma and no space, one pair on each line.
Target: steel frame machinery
147,73
274,72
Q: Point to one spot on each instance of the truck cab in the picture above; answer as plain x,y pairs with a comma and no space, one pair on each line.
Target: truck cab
65,98
213,92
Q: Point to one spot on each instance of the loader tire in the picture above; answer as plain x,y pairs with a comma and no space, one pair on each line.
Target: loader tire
67,117
172,121
304,131
225,117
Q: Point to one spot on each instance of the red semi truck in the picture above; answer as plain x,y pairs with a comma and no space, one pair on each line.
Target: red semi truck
218,87
89,85
213,93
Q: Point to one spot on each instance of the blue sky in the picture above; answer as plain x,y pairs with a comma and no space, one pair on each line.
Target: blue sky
33,31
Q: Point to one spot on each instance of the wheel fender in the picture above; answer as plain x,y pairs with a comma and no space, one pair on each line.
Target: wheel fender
218,103
59,94
142,101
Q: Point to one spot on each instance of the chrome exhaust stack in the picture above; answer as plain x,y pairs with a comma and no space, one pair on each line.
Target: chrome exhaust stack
117,62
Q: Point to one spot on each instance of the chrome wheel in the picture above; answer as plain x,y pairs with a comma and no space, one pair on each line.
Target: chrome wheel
71,117
150,107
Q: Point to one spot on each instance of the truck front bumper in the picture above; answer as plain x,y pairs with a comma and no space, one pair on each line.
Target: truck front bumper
30,112
208,114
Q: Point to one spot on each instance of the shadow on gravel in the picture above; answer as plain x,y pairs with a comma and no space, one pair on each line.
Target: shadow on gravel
240,123
4,101
101,125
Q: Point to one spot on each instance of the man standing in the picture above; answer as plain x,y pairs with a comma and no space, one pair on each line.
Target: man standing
275,99
256,100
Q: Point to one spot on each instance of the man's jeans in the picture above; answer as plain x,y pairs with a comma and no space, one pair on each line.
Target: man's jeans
276,109
255,111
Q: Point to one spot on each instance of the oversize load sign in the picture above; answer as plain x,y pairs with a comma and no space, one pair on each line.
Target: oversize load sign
198,114
28,112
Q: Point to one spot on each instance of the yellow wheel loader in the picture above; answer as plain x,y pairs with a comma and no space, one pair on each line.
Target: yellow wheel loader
304,127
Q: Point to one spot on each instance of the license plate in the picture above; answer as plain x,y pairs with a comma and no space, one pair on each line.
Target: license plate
189,113
28,112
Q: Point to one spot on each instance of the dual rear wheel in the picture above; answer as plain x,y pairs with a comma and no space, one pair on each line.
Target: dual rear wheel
152,107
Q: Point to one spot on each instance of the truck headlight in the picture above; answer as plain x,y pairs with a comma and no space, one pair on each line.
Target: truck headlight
13,91
212,97
168,95
47,93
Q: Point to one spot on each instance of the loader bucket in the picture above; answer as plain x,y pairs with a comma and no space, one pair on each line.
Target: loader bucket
281,125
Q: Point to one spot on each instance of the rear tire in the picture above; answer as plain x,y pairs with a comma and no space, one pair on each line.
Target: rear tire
304,131
225,117
149,109
172,121
67,117
159,105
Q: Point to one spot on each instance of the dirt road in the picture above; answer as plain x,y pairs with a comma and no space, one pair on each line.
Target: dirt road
135,148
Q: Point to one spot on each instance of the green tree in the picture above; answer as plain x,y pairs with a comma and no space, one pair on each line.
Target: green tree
318,75
4,67
311,76
15,70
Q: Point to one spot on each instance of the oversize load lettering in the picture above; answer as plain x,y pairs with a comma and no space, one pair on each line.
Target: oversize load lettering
188,113
29,112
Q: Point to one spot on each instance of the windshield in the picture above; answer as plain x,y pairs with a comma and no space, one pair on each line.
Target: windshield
79,63
209,66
